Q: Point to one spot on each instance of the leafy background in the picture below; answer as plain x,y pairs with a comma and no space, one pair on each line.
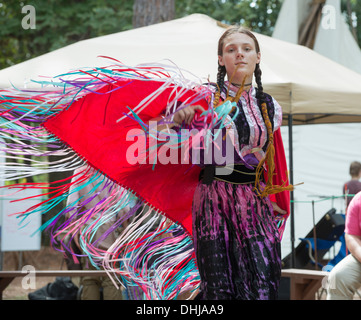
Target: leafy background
60,23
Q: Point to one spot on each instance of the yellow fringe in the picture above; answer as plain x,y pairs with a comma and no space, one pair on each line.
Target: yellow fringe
270,188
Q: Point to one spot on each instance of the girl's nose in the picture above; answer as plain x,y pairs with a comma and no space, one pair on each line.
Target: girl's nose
239,53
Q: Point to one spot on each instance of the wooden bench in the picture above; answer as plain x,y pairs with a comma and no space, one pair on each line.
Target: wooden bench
6,277
304,283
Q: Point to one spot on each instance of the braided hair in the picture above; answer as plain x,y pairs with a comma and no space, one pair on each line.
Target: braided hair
220,82
270,151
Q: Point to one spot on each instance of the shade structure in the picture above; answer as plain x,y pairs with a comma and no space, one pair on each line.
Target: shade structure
312,88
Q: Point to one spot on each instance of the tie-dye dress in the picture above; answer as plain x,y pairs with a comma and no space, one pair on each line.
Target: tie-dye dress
236,238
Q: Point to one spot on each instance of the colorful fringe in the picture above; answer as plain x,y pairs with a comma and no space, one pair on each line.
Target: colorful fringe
151,251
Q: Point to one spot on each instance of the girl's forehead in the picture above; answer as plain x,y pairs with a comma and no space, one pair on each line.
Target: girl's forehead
238,39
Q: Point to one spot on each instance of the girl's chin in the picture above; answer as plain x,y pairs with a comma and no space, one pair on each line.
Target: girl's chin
238,77
238,80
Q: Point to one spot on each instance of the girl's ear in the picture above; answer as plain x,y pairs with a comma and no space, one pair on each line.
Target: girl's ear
220,61
258,57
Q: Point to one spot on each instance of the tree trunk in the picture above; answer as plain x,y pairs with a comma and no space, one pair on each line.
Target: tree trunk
147,12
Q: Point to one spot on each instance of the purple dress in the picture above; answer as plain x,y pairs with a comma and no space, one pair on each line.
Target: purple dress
236,238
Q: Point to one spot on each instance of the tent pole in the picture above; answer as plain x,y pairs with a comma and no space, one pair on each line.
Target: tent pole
292,216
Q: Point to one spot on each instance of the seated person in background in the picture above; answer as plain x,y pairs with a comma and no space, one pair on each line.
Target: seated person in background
345,277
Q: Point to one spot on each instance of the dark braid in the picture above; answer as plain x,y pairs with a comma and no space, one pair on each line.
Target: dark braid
269,188
220,82
257,76
220,76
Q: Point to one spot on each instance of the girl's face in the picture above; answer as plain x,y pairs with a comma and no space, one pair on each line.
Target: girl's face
239,57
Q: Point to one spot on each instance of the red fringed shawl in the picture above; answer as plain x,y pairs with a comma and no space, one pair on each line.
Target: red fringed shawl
89,126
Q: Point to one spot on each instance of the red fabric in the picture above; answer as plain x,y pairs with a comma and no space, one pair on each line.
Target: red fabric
89,126
281,174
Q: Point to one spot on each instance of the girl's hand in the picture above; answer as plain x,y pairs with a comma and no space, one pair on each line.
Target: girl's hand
186,115
277,208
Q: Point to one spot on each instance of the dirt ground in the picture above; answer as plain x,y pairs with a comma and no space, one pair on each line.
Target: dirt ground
45,259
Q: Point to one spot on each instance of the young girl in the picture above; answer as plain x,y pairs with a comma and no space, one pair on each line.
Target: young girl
236,238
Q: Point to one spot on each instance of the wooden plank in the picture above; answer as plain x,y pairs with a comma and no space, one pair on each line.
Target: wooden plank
4,282
309,291
304,290
304,283
53,273
310,274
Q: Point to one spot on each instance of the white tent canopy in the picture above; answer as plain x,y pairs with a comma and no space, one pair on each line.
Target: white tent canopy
305,83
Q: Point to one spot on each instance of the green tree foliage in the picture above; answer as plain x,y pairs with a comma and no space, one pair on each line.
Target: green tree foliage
352,12
258,15
58,23
61,22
